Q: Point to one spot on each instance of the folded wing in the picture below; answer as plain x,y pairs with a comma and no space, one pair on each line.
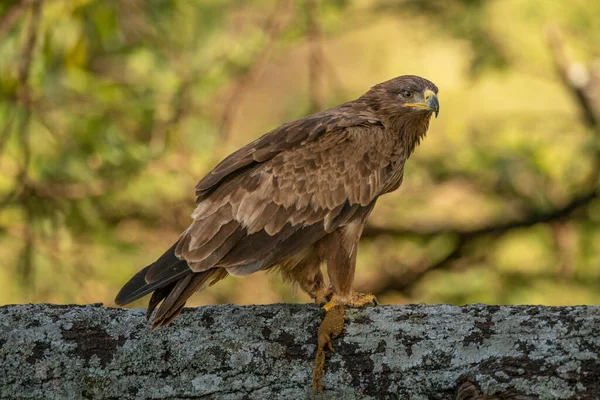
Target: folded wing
276,196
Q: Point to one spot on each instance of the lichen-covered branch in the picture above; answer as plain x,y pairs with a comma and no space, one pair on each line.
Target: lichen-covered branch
259,352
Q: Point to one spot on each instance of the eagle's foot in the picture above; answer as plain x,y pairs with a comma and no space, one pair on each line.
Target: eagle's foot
331,327
322,296
354,300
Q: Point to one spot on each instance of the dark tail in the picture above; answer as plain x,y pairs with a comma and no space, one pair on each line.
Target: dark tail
175,295
168,268
171,280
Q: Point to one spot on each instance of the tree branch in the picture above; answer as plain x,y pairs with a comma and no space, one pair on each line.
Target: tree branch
387,282
559,213
465,239
11,16
256,352
576,77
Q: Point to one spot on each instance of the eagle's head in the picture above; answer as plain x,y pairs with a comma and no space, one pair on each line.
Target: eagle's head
404,96
404,105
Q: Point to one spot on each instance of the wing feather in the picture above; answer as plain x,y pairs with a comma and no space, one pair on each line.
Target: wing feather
258,222
286,190
204,229
278,221
198,254
283,138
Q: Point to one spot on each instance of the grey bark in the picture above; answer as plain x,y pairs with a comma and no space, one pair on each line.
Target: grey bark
267,352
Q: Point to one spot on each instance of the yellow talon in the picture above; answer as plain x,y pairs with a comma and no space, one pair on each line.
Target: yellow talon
322,296
354,300
329,306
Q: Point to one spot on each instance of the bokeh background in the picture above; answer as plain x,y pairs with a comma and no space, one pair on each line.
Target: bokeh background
112,110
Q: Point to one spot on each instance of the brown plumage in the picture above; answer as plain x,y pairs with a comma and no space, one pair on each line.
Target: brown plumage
294,198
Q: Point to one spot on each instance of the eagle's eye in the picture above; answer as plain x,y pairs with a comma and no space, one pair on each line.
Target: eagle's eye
407,94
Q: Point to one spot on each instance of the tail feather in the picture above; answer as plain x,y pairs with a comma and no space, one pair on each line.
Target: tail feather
158,296
137,287
167,266
167,269
172,281
169,318
176,295
168,304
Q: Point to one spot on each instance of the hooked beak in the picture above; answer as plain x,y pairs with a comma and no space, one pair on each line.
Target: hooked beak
431,102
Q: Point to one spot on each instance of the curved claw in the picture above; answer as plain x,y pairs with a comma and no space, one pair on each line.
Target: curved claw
323,296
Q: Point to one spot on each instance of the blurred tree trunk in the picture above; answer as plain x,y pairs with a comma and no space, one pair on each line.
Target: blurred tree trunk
258,352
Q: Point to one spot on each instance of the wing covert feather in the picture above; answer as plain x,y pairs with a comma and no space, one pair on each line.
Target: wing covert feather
285,190
283,138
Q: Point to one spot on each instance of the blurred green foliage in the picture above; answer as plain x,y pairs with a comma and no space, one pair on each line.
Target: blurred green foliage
111,111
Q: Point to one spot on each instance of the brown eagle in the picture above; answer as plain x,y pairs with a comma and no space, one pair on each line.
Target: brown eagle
295,198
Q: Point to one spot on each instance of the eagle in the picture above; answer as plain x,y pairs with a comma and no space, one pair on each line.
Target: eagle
294,199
